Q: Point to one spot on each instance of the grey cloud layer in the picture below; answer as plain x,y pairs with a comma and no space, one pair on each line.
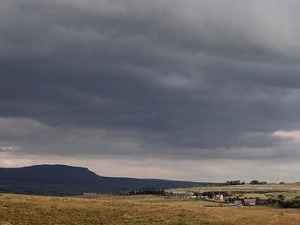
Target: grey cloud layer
195,77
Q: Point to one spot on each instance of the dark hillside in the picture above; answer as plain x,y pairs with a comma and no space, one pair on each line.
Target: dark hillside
43,174
69,180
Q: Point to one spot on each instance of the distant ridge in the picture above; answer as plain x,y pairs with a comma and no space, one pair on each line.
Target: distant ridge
46,174
69,180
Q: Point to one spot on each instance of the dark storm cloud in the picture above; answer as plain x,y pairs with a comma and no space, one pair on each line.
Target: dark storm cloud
181,77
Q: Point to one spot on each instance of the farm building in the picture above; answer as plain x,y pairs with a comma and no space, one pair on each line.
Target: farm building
238,203
219,197
250,202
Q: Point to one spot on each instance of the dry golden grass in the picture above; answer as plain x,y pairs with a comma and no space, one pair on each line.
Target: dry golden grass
32,210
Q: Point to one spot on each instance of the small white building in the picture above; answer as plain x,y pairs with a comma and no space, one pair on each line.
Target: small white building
219,197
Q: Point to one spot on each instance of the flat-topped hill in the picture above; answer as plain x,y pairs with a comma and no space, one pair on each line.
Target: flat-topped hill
70,180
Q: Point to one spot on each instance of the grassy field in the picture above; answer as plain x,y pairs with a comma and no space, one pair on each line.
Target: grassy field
292,187
263,191
144,210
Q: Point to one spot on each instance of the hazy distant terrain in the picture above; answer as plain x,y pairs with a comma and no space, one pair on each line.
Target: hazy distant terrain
68,180
288,187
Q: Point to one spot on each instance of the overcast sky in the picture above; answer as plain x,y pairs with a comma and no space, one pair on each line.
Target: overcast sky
196,90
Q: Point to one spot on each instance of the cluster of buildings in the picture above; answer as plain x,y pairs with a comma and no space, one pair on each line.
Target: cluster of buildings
216,198
244,202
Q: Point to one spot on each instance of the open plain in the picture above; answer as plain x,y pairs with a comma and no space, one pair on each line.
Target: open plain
144,210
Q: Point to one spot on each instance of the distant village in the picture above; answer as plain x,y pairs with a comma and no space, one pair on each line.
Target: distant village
217,193
222,198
